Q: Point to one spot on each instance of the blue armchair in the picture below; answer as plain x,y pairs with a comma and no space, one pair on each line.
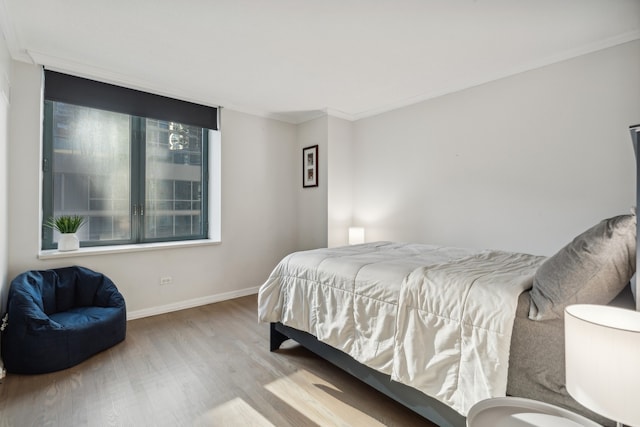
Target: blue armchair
58,318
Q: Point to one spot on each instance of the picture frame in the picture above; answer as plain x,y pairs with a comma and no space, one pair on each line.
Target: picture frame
310,166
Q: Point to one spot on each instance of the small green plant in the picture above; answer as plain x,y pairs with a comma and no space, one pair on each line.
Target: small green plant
66,223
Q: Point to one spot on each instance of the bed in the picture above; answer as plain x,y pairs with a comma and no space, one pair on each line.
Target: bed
439,329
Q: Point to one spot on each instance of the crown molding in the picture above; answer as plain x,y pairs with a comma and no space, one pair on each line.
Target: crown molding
340,114
10,36
564,56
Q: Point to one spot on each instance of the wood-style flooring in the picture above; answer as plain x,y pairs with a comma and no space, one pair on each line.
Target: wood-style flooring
205,366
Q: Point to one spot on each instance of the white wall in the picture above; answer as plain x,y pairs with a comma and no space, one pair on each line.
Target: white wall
5,83
325,212
259,206
524,163
340,181
312,201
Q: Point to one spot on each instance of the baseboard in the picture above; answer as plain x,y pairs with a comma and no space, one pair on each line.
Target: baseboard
196,302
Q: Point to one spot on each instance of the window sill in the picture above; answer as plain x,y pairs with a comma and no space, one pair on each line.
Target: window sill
102,250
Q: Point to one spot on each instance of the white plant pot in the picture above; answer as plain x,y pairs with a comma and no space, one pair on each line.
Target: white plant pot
68,242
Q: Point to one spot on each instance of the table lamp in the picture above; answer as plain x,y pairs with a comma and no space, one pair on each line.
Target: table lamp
356,235
602,355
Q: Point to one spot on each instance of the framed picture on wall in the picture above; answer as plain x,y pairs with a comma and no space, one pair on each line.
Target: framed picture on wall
310,166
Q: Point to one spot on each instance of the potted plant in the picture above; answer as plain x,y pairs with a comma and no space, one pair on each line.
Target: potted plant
67,226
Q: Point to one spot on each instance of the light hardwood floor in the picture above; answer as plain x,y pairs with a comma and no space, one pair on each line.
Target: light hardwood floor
206,366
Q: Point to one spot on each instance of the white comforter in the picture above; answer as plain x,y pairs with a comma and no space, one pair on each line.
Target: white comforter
437,319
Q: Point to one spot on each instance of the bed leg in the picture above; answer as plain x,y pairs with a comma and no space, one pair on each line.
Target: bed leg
276,338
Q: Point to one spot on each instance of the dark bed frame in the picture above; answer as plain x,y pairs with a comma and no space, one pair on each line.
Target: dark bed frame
430,408
426,406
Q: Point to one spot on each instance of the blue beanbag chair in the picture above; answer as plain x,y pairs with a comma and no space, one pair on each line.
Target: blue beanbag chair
58,318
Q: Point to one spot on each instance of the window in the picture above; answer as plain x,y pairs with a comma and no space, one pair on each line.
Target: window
136,172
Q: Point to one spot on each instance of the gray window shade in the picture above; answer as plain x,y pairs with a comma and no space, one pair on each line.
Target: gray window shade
90,93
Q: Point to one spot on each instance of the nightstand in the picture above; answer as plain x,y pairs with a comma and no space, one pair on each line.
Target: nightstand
520,412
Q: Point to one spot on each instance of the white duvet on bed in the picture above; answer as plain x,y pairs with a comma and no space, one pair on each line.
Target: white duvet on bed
438,319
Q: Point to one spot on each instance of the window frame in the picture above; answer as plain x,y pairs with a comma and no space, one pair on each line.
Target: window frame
137,147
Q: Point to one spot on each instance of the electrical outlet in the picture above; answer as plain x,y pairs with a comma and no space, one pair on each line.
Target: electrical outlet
167,280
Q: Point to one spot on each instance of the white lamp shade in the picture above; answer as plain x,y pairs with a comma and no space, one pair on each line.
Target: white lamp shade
602,354
356,235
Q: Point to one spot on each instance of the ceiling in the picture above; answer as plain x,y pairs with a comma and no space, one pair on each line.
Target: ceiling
296,59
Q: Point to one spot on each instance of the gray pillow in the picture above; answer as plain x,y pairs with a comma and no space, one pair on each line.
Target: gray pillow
592,269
